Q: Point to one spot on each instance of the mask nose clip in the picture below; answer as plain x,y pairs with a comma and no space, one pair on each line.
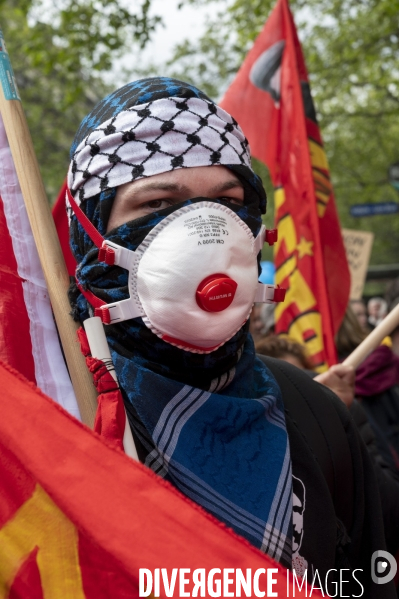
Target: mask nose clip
215,293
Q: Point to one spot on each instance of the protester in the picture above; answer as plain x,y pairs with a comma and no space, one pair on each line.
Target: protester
392,299
341,380
268,319
360,311
261,322
376,386
205,413
278,346
256,322
377,310
350,334
395,333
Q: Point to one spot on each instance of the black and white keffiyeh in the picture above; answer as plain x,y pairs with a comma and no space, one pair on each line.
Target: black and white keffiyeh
152,138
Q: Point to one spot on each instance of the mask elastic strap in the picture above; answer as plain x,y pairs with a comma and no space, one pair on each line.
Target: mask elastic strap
105,253
97,303
121,310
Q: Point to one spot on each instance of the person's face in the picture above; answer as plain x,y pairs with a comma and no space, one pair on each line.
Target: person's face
151,194
374,309
359,310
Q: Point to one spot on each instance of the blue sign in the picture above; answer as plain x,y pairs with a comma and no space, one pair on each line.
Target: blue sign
372,209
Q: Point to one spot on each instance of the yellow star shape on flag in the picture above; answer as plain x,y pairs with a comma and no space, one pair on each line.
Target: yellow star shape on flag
304,248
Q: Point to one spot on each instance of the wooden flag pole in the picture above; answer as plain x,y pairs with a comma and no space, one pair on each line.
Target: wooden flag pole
45,235
372,341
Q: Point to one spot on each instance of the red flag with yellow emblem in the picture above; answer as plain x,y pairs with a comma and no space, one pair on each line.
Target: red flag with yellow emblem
270,97
81,520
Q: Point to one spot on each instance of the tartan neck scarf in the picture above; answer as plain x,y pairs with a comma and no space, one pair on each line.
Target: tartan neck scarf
212,424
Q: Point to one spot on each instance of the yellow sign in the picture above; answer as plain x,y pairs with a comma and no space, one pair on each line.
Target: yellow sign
358,245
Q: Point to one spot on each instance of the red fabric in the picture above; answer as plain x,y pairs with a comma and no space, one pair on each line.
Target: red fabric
125,516
310,257
84,343
27,583
110,417
15,340
61,224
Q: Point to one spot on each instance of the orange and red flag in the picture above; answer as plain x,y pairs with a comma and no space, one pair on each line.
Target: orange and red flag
271,99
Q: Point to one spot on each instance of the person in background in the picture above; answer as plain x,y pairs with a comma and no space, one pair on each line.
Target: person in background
392,299
377,309
360,311
395,333
341,380
267,317
256,323
376,386
286,349
261,322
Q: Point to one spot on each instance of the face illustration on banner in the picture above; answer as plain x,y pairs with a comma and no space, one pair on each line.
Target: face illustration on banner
299,563
298,509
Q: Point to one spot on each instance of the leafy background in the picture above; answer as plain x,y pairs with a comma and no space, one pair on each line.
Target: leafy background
65,55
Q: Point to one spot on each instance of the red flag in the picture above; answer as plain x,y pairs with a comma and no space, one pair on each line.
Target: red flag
79,519
270,97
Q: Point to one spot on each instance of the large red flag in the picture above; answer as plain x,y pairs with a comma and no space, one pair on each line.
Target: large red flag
79,519
270,97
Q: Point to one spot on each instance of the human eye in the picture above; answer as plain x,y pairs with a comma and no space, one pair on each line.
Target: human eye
232,200
154,205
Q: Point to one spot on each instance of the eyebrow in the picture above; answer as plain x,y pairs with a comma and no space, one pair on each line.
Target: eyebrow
232,184
177,188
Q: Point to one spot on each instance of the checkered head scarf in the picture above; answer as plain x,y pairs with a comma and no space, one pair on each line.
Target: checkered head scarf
150,127
191,414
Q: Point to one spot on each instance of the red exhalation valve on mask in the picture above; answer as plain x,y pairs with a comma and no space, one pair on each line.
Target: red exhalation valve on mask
215,293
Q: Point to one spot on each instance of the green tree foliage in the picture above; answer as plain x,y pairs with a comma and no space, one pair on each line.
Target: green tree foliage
60,52
351,49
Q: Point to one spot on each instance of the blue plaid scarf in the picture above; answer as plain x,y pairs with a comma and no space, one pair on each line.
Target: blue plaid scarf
211,424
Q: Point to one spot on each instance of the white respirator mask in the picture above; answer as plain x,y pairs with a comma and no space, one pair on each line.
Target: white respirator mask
193,279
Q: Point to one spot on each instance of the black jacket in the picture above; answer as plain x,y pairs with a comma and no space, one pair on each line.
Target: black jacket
321,541
387,479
